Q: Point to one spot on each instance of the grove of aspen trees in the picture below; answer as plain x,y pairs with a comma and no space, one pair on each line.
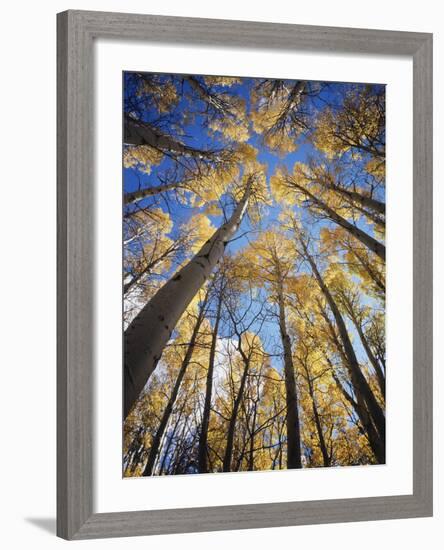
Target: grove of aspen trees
253,274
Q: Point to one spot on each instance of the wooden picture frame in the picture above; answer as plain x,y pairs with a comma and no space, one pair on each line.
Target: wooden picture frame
77,31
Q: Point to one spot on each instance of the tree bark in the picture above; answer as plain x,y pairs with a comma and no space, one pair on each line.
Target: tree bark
140,194
358,379
323,446
363,200
293,426
372,216
211,99
252,440
376,444
148,333
137,132
292,102
371,243
375,363
233,418
171,436
202,454
155,445
372,273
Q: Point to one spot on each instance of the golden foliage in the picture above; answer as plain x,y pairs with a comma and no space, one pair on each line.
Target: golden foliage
270,273
163,95
357,125
225,81
233,126
142,157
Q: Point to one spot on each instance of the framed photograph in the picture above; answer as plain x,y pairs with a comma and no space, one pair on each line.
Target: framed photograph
244,275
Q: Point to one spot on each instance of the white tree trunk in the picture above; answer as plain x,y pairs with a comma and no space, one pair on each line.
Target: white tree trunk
138,132
140,194
366,239
147,335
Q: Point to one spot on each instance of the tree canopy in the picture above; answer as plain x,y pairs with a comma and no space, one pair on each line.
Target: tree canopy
253,274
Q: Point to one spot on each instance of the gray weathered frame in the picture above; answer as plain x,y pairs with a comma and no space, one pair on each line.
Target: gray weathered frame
77,31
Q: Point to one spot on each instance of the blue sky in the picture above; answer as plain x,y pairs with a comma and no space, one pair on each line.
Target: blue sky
195,135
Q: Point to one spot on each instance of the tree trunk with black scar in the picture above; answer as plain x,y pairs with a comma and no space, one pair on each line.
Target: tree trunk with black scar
155,445
148,333
202,454
293,426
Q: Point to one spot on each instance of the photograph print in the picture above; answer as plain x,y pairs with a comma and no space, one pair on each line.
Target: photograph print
253,274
